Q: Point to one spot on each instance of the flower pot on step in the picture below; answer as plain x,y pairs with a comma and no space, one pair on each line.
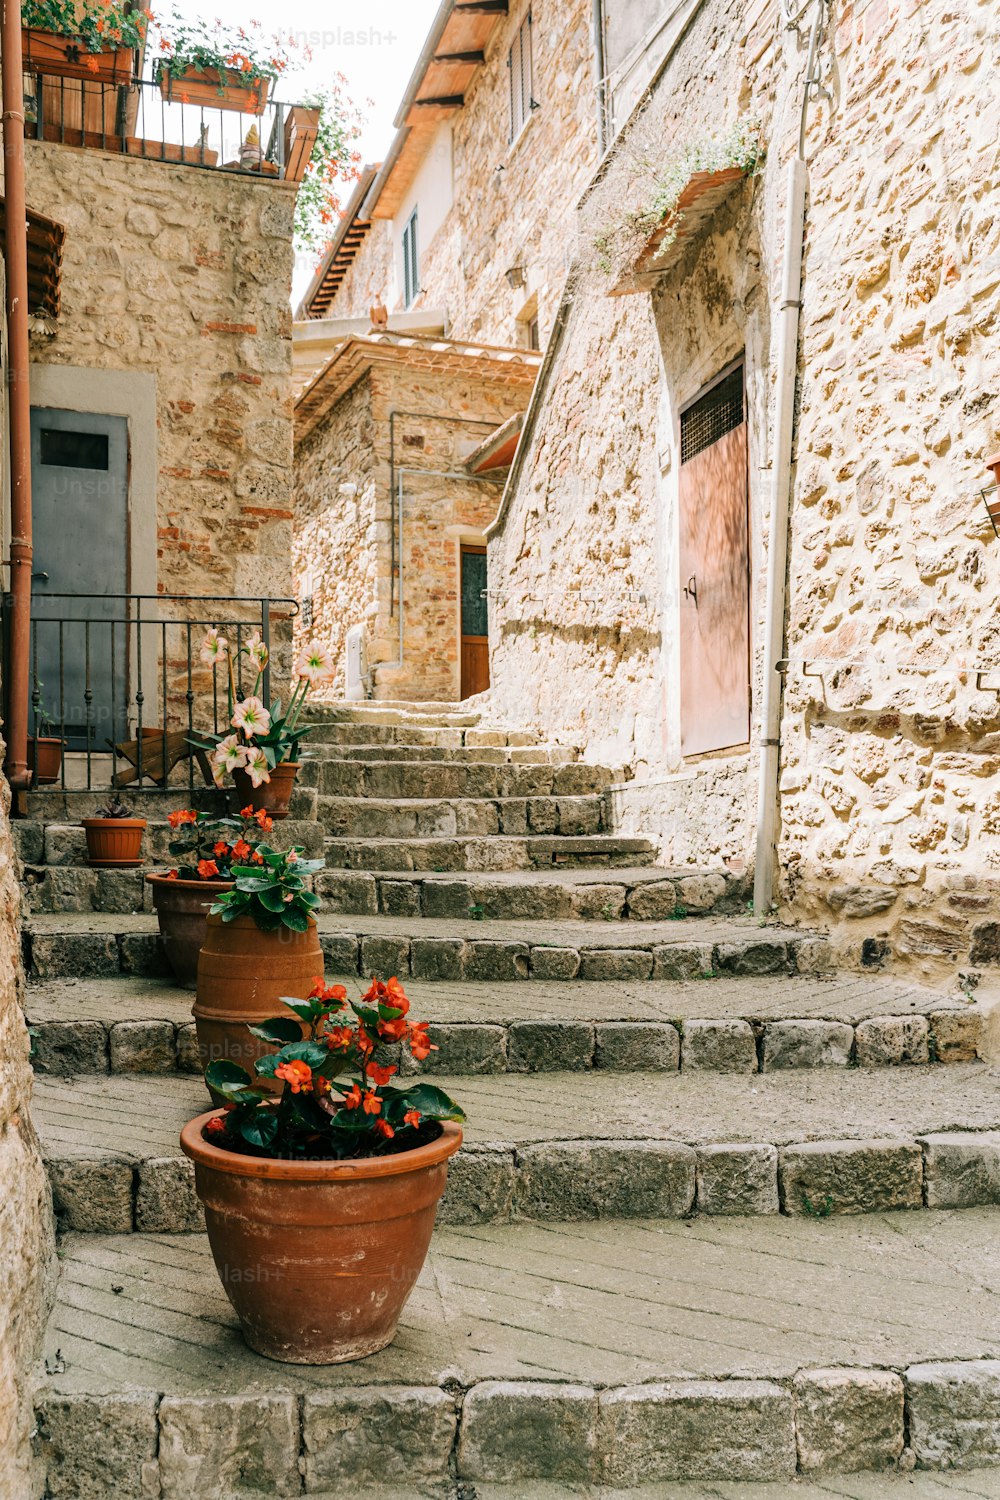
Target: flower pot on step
319,1257
272,796
114,842
243,975
45,759
182,908
215,88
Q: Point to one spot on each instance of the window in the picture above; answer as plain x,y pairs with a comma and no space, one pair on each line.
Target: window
411,267
519,65
534,333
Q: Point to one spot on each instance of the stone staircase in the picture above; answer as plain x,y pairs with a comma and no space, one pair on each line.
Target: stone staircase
724,1217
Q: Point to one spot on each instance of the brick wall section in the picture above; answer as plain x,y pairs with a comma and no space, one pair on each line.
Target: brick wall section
890,785
27,1266
187,274
350,560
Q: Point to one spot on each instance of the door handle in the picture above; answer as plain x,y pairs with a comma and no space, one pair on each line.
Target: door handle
691,589
40,577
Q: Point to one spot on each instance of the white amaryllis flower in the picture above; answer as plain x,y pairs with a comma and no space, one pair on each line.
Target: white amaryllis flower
315,664
257,767
227,757
252,717
214,648
257,651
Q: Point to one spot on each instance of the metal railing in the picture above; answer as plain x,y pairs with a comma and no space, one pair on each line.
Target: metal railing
139,118
118,683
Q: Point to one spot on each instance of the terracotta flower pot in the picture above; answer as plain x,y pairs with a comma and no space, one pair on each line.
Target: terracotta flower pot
243,975
114,841
274,795
319,1257
45,759
182,908
215,88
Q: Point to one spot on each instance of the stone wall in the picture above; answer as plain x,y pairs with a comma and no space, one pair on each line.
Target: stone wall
890,777
27,1265
186,274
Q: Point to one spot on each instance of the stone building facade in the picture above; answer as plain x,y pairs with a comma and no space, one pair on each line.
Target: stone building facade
889,778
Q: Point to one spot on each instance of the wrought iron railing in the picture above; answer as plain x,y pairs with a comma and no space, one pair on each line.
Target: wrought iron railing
139,119
118,682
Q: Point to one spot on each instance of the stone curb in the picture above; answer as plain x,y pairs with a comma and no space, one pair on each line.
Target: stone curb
479,1048
586,1180
826,1421
85,955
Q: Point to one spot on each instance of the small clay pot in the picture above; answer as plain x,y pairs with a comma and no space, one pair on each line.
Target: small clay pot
182,908
45,759
319,1257
243,975
114,842
274,795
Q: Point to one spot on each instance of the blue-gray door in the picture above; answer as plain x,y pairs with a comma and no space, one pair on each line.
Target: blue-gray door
79,484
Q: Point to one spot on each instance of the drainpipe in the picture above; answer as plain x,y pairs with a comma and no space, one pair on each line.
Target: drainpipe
16,266
599,65
777,568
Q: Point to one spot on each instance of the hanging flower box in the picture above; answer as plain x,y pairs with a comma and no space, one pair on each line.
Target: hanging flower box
56,56
215,88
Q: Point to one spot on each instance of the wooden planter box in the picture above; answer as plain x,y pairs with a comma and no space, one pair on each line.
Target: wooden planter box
215,88
301,130
57,56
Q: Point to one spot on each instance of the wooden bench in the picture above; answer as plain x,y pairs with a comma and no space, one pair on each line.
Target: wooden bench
160,754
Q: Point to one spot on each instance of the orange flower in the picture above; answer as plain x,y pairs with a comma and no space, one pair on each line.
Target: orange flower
338,1038
172,874
221,848
412,1117
207,869
380,1076
263,821
241,851
352,1098
248,813
420,1043
321,991
392,1031
215,1126
365,1044
178,819
256,858
298,1074
384,1128
371,1103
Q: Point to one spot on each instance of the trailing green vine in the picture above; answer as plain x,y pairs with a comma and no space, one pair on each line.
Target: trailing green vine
100,25
620,243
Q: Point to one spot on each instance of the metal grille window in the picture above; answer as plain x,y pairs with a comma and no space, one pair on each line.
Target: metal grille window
712,415
519,65
411,264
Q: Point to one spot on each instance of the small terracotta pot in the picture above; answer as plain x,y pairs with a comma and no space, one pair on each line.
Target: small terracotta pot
114,841
182,908
45,759
243,975
274,795
319,1257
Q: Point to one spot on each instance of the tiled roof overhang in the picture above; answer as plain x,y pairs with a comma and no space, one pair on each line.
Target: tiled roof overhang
352,231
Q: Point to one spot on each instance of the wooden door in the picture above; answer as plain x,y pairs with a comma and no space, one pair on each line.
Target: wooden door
714,570
475,630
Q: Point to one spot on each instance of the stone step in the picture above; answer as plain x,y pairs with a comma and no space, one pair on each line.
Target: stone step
393,711
488,853
497,897
567,1146
409,818
726,1352
728,1024
418,734
51,805
99,946
533,755
422,779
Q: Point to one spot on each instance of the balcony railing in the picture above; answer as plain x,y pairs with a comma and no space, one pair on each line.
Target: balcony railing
137,119
119,682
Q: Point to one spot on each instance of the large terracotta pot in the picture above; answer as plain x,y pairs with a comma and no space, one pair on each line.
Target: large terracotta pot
45,759
114,841
215,88
243,975
274,795
182,908
319,1257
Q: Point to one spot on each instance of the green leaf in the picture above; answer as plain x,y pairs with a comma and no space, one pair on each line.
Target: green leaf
306,1010
271,898
267,921
300,1051
295,920
260,1127
310,1112
281,1030
431,1102
232,1081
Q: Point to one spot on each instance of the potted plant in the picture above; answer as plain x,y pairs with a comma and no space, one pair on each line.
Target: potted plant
261,944
114,837
206,848
218,66
261,754
95,40
45,747
320,1201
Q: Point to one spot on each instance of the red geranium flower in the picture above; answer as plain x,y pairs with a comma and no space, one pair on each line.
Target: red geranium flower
371,1103
241,851
380,1076
221,848
207,869
178,819
172,874
384,1128
216,1125
298,1074
338,1038
412,1117
352,1099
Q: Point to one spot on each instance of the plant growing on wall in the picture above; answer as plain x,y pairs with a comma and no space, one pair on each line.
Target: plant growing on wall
657,189
335,161
98,24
